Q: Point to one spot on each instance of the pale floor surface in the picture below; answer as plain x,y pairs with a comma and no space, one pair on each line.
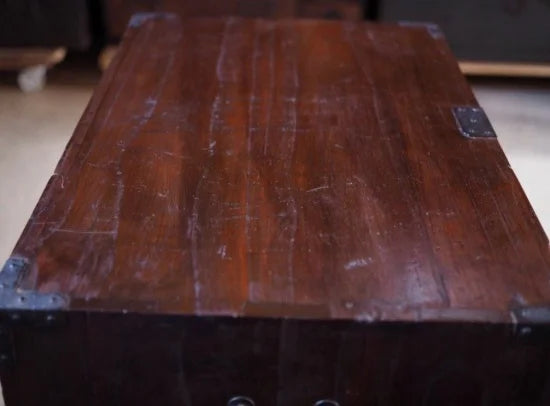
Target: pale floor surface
34,129
520,114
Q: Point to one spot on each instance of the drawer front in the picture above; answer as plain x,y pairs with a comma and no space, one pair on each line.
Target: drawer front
120,359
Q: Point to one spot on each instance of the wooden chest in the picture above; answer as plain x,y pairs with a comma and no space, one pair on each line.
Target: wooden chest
118,12
282,213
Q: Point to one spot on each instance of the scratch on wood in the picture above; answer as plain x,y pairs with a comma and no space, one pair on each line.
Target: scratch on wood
67,230
251,102
193,222
291,202
315,189
103,123
358,263
271,87
193,229
348,30
223,49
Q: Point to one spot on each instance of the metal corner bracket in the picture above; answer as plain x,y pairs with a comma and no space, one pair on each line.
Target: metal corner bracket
531,323
472,122
13,298
532,314
17,306
139,18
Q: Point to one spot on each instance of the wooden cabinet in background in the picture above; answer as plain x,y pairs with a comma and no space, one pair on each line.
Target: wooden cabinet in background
489,30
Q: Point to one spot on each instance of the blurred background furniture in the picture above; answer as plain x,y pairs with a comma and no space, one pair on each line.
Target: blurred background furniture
31,63
34,35
489,30
45,23
491,38
118,12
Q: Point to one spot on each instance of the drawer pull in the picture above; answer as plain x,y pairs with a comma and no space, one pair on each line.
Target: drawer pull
326,402
240,401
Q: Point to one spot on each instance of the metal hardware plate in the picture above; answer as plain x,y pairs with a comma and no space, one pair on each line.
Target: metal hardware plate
139,18
12,272
473,122
11,297
30,300
240,401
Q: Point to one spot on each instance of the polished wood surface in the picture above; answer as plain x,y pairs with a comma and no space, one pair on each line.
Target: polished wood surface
284,211
311,168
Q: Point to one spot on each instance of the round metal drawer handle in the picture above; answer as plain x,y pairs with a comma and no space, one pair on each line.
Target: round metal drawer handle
326,402
240,401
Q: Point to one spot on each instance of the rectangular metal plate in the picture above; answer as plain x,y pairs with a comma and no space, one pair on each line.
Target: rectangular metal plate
473,122
12,272
11,297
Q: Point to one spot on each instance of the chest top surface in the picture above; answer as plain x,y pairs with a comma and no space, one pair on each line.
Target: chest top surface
284,169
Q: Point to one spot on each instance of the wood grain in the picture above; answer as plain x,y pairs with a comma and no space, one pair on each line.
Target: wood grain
288,169
287,211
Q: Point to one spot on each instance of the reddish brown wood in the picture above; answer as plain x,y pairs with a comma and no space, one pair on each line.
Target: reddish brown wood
288,165
291,199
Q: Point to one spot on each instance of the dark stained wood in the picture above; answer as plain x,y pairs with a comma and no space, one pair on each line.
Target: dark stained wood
145,359
290,165
50,363
287,210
